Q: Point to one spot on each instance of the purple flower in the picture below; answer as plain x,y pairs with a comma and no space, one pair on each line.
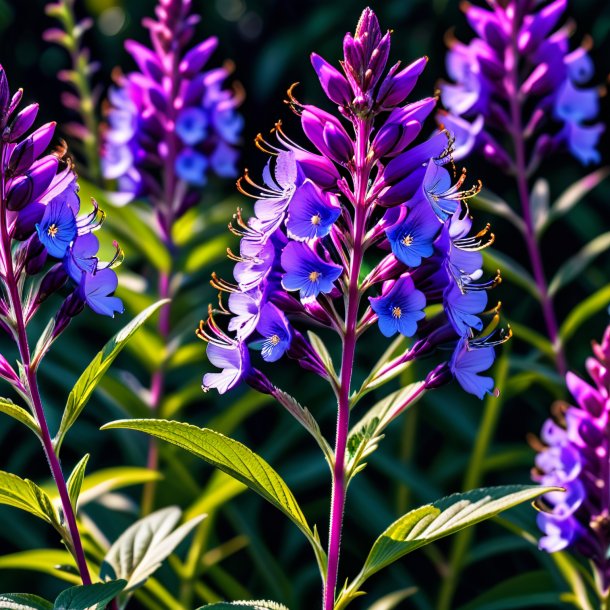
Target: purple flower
466,364
232,359
399,309
57,229
96,290
191,167
307,272
82,256
275,331
311,213
462,308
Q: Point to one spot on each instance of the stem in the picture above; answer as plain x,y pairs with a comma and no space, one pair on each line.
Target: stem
75,543
521,177
347,366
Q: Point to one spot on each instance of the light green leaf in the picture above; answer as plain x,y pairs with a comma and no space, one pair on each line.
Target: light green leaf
253,605
511,270
23,601
540,342
47,561
26,495
142,548
89,597
539,202
231,457
575,265
20,414
442,518
573,194
75,481
82,390
208,252
583,312
320,348
43,345
109,479
492,203
391,601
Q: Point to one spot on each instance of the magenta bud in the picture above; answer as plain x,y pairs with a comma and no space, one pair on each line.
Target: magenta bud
33,183
377,62
438,377
494,153
386,139
7,372
335,85
396,87
27,219
301,350
314,121
540,26
403,190
338,143
26,152
15,101
21,123
539,81
53,280
4,92
368,28
147,61
198,56
317,168
158,100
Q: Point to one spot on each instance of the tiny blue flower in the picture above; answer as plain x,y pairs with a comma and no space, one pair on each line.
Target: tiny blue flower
275,331
57,229
191,167
192,125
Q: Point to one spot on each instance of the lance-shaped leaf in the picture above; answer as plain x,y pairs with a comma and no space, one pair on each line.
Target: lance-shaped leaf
26,495
253,605
81,392
233,458
442,518
75,482
490,202
89,597
20,414
539,202
23,601
583,312
320,349
141,549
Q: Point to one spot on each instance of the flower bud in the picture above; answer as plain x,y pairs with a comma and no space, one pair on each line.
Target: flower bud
396,87
27,219
338,143
21,123
335,85
31,148
53,280
32,184
438,377
198,56
36,256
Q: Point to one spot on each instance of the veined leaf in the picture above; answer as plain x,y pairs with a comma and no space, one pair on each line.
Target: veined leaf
583,311
20,414
574,266
142,548
573,194
433,521
23,601
81,392
89,597
75,481
253,605
320,348
231,457
26,495
511,271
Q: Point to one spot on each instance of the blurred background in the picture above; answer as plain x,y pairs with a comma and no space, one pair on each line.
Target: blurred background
425,454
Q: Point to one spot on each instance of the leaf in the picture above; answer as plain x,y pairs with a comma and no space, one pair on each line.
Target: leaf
442,518
23,601
253,605
390,601
89,597
574,266
511,271
104,481
26,495
525,333
573,194
231,457
20,414
82,390
320,349
141,549
490,202
75,481
47,561
584,311
539,202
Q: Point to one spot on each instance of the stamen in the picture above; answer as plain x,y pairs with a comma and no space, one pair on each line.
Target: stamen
316,219
52,230
396,312
223,285
313,276
407,240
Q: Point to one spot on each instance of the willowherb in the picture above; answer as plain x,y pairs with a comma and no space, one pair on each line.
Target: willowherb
47,246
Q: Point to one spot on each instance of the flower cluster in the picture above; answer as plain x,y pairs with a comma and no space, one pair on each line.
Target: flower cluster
573,454
170,122
518,41
42,223
366,190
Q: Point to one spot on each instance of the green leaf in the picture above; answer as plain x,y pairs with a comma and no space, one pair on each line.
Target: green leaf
511,271
20,414
490,202
23,601
583,312
442,518
141,549
104,481
320,348
573,194
231,457
390,601
574,266
82,390
254,605
75,481
59,564
89,597
26,495
539,202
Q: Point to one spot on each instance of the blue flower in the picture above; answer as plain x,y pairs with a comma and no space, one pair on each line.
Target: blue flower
275,331
465,365
81,257
582,141
307,272
311,213
411,239
400,308
192,125
233,358
191,167
57,229
462,307
96,290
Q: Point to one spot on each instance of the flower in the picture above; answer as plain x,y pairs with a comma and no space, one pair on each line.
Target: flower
96,290
311,213
466,364
57,229
276,333
573,454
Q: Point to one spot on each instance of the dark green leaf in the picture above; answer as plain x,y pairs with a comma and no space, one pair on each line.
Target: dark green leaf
23,601
89,597
583,311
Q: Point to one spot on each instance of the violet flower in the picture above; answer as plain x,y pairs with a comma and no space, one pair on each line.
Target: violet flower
365,195
46,247
573,454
